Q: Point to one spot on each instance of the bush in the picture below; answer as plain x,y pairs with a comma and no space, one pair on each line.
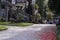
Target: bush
20,16
49,16
37,17
36,6
12,20
25,19
2,19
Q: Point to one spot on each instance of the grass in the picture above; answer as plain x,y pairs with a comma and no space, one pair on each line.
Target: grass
16,24
23,24
3,28
4,23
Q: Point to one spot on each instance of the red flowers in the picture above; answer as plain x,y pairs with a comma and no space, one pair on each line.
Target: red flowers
48,34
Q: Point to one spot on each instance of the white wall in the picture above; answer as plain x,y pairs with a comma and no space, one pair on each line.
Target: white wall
33,1
13,1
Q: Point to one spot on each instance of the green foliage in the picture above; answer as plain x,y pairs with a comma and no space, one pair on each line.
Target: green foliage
48,9
36,6
20,16
58,32
40,3
54,6
12,20
38,16
2,19
49,16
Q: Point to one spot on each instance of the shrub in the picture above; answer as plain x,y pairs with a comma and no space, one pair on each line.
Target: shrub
20,16
37,17
2,19
12,20
36,6
49,16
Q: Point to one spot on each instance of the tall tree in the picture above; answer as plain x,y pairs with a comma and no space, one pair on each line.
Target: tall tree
41,6
54,6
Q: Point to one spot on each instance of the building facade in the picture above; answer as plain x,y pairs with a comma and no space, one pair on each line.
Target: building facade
9,7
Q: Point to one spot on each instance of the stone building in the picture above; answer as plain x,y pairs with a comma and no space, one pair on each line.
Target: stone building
9,7
4,7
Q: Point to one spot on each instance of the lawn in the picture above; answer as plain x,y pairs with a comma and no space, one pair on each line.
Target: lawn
16,24
5,23
22,24
3,28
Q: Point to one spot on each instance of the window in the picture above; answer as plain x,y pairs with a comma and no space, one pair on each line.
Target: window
2,6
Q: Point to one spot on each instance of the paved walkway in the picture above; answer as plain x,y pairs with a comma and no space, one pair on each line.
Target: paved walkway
16,33
20,33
